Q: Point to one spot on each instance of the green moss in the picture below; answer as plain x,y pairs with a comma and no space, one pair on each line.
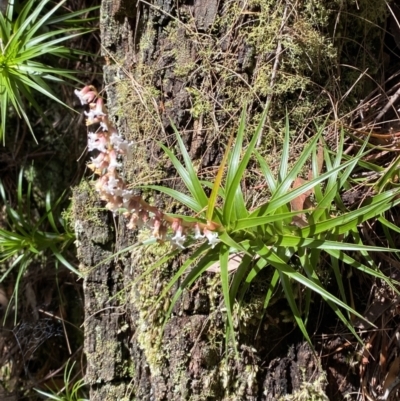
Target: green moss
200,104
309,391
142,118
147,39
77,213
145,297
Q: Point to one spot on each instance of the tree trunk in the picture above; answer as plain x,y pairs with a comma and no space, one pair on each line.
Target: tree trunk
196,64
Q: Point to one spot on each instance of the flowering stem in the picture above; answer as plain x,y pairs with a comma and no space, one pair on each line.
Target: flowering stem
109,147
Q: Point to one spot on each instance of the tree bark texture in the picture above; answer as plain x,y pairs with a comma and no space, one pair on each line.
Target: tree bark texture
196,64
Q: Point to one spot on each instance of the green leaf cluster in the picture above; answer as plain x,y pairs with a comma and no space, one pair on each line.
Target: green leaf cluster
28,236
267,237
24,40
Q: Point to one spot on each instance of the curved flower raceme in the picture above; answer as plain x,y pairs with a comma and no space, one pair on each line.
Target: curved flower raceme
109,147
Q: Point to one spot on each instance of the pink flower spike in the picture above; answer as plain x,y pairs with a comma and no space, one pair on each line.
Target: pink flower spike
92,120
121,145
86,95
132,205
101,183
162,232
113,186
94,114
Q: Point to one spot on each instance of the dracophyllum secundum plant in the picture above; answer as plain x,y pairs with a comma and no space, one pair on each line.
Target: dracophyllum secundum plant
270,235
24,40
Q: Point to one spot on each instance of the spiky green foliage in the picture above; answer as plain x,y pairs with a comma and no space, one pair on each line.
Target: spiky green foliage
28,236
267,238
24,40
70,392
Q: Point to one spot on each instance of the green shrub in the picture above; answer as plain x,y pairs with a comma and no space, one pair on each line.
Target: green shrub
24,40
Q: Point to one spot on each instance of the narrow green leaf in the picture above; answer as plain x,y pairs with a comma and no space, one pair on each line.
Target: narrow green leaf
223,261
42,21
201,251
239,274
270,256
252,222
64,261
388,224
239,210
340,255
267,172
217,183
287,288
271,288
387,177
284,164
255,270
312,243
350,220
278,201
204,262
287,182
188,175
230,242
70,16
186,200
234,160
231,191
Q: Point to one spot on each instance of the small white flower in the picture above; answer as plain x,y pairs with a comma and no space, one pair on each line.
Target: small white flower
126,197
86,95
112,181
98,161
178,239
115,138
97,141
113,186
212,237
113,206
114,164
113,160
93,114
121,145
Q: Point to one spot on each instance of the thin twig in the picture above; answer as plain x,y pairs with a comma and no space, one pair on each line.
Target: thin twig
388,105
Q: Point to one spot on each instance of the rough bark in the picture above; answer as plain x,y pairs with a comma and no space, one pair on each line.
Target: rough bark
155,56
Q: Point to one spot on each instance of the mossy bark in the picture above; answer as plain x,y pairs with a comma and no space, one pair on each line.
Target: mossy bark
195,65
